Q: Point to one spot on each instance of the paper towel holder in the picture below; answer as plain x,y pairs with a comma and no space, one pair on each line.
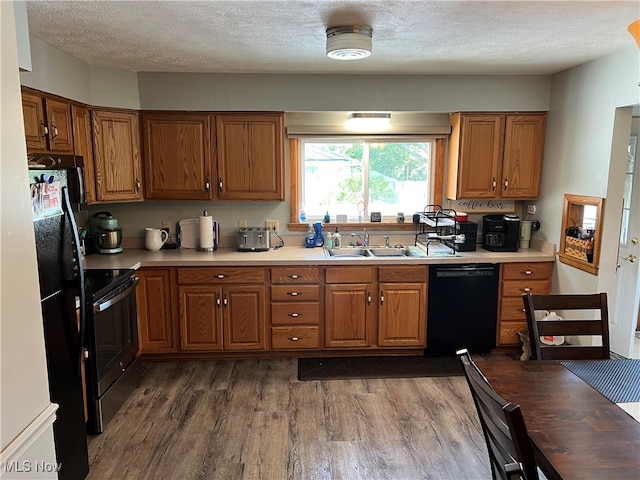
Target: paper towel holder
205,249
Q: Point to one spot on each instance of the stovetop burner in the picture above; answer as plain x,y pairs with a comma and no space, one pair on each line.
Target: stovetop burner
97,283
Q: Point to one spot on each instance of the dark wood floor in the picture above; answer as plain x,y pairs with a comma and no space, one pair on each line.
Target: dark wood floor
253,419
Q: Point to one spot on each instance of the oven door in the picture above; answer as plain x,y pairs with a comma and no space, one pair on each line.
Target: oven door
114,335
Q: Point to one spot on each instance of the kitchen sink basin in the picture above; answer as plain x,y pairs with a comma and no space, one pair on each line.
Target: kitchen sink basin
347,252
389,251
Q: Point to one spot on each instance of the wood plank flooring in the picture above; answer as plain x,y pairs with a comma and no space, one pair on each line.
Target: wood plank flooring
252,419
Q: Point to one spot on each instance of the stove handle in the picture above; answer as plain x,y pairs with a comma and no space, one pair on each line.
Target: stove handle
109,301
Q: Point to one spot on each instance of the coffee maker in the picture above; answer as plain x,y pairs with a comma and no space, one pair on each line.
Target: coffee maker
500,233
106,234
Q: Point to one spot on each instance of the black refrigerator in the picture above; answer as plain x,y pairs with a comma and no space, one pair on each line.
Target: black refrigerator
60,271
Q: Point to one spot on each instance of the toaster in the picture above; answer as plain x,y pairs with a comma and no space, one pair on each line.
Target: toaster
253,239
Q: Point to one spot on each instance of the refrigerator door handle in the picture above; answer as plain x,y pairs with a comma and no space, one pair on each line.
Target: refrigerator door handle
78,261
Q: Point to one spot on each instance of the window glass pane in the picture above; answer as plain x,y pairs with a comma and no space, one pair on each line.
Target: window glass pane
355,178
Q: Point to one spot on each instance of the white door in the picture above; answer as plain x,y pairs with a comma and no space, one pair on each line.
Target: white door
627,283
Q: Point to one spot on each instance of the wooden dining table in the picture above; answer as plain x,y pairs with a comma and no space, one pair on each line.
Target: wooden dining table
576,432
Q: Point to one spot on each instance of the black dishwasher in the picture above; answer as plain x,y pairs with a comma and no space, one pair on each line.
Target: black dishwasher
462,308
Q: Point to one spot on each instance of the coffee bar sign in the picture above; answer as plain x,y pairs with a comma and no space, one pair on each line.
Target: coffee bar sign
483,206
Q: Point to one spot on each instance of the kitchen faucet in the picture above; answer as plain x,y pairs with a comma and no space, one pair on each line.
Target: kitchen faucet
364,238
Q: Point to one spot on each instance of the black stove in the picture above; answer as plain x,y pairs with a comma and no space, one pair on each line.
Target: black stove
98,283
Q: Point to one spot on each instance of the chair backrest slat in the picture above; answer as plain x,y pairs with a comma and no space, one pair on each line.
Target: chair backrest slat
598,326
505,433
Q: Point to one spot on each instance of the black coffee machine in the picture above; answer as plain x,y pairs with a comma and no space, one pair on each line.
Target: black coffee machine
500,233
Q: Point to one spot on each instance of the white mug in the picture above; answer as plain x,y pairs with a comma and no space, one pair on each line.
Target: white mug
154,238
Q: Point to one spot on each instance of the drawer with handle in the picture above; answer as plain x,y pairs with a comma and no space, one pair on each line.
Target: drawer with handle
221,275
295,313
292,293
516,288
292,338
520,271
288,275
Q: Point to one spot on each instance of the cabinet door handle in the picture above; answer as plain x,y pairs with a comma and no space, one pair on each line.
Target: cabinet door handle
381,298
294,277
294,339
506,183
220,183
207,185
493,183
294,315
46,129
218,300
138,185
368,297
294,294
225,301
55,131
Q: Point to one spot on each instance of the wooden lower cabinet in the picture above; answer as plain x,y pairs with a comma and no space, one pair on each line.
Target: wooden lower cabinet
361,312
154,297
402,309
217,314
517,279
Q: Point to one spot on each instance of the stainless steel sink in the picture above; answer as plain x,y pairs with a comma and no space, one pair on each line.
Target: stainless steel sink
342,252
389,251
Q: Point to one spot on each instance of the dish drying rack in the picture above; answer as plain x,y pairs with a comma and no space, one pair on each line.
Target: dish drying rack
432,222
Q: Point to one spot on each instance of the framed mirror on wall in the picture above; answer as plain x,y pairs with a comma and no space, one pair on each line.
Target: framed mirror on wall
581,232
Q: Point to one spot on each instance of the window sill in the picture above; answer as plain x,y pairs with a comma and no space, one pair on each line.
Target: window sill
370,226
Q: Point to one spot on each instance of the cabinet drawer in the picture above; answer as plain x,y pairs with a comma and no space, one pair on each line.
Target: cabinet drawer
515,288
295,313
402,274
221,275
291,293
508,334
295,275
512,308
538,271
349,275
295,338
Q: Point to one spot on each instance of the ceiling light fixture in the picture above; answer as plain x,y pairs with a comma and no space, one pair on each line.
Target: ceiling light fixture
370,121
351,42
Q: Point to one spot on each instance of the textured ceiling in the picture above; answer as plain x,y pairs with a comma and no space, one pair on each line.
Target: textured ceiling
288,36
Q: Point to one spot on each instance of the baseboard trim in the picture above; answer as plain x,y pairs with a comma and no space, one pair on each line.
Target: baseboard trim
27,437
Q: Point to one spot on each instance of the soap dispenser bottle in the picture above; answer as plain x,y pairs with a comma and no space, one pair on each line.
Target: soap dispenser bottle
310,238
319,238
337,239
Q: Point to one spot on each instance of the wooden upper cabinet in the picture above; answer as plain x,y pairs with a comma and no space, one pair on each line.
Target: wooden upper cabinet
82,146
495,156
178,156
116,149
522,158
474,156
250,156
47,124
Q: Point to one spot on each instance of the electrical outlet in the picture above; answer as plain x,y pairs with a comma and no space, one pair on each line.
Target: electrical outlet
272,225
166,225
531,209
242,223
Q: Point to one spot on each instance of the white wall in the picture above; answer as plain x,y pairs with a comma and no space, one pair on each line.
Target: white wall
24,393
59,73
430,93
579,153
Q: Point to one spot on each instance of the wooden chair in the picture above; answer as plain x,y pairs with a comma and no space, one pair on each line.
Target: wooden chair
590,305
510,450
